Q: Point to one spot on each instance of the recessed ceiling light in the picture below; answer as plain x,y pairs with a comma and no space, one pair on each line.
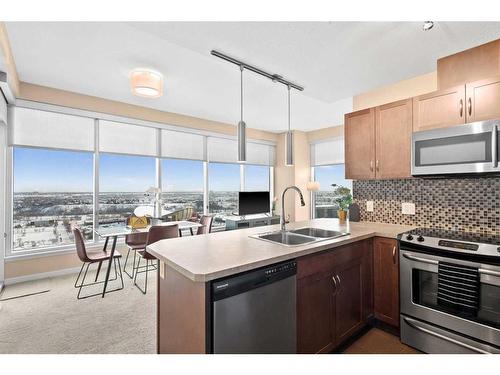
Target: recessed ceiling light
146,83
427,25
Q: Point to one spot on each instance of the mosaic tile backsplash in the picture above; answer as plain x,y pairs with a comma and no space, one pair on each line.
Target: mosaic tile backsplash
468,204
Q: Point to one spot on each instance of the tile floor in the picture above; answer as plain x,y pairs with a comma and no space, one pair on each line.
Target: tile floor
376,341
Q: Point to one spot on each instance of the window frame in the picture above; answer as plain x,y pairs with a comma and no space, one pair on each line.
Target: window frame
242,171
313,193
11,254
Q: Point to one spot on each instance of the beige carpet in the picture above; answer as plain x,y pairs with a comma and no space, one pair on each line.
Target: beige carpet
56,322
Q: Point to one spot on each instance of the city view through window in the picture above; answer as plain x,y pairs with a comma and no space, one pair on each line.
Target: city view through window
324,203
53,191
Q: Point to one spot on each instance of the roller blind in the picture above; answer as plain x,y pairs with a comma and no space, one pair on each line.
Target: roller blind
222,150
225,150
258,153
328,152
127,139
32,127
182,145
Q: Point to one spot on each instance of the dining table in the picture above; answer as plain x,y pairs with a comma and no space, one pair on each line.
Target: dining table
114,231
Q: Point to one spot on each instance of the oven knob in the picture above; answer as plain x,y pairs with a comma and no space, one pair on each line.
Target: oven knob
409,237
420,238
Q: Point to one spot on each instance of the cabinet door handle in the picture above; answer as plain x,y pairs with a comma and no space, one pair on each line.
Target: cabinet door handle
371,165
376,165
336,286
461,107
338,278
469,103
394,255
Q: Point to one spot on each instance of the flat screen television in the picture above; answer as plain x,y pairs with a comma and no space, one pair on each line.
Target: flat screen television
253,202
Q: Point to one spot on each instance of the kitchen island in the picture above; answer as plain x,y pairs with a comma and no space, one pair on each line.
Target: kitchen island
188,266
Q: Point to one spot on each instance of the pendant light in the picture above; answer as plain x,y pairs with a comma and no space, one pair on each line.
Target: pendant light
242,127
289,138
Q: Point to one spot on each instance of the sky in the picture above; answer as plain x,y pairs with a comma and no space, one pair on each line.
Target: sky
68,171
331,174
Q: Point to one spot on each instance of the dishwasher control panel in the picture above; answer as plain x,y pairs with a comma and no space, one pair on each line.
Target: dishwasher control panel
281,268
232,285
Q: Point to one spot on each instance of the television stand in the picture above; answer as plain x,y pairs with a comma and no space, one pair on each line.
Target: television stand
251,221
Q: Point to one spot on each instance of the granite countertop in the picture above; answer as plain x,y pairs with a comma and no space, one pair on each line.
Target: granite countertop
207,257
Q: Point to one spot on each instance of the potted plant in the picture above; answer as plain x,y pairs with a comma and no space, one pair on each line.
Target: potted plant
343,197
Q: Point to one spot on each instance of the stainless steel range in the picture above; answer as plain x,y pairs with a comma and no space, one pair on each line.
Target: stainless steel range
450,291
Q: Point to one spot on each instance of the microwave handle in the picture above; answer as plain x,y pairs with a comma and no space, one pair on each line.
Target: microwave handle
494,146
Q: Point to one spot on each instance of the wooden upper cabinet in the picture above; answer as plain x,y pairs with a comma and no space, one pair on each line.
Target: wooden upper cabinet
393,127
483,99
386,280
360,144
473,64
439,109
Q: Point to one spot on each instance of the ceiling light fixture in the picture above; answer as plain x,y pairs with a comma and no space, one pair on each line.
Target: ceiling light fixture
242,127
427,25
146,83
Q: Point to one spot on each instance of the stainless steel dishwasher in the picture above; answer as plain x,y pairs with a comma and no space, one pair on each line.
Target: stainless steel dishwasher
255,312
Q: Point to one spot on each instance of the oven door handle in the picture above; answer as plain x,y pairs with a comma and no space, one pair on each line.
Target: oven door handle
483,271
413,324
418,259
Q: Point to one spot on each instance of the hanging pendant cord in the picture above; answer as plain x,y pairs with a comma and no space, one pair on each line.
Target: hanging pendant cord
288,107
241,90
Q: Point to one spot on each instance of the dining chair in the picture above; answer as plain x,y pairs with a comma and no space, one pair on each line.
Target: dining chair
206,221
134,242
155,234
91,258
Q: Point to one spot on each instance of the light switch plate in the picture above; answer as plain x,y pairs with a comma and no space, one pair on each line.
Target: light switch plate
369,206
408,208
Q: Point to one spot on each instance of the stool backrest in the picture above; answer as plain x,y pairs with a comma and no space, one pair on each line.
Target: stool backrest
81,250
161,232
206,221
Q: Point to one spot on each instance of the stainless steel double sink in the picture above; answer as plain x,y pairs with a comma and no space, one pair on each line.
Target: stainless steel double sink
300,236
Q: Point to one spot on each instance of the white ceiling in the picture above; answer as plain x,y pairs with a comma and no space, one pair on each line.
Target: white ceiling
333,60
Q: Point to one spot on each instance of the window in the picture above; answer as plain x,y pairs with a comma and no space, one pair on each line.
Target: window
224,185
257,178
52,192
66,162
123,181
182,184
324,204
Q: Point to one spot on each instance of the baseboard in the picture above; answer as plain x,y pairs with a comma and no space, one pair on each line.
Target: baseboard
42,275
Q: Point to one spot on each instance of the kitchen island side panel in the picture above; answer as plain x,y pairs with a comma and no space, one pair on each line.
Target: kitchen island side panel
181,314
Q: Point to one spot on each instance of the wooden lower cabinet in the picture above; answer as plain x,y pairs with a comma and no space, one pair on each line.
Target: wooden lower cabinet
386,280
334,296
315,313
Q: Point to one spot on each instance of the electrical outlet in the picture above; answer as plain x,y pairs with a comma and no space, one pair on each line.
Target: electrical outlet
408,208
369,206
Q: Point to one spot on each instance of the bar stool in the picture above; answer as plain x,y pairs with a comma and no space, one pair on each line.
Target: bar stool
207,222
155,234
134,242
92,258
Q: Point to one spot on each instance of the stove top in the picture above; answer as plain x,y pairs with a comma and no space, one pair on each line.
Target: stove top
455,241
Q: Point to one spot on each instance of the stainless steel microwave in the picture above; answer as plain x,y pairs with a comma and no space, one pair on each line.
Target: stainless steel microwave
462,149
